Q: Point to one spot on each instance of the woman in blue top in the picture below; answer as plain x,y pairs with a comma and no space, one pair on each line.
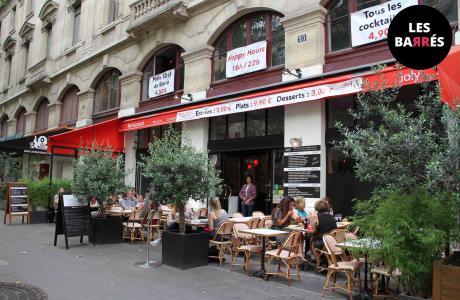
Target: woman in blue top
300,212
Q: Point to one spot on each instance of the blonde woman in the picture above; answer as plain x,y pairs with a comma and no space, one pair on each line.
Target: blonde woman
299,212
217,216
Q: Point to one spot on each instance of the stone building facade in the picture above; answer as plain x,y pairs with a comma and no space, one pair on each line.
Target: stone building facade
72,63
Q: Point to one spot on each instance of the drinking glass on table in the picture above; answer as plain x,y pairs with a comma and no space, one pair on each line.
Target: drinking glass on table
338,217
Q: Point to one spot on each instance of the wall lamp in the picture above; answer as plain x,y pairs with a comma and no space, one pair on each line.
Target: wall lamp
298,72
188,97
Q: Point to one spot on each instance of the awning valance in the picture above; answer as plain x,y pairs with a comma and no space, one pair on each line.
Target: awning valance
104,133
449,77
34,144
296,93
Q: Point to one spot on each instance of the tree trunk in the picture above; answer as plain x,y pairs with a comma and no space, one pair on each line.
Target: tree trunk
181,218
101,209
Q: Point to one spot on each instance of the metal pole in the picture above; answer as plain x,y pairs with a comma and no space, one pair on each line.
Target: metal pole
149,264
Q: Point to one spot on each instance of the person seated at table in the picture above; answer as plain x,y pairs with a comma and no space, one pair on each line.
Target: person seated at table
300,214
283,214
137,196
323,223
329,205
128,201
140,203
216,217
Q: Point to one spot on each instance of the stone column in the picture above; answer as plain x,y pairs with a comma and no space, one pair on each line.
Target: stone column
11,127
305,54
85,108
54,115
198,72
30,122
130,93
130,157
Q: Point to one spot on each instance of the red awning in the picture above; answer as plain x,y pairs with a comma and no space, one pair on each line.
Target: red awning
449,77
311,90
104,133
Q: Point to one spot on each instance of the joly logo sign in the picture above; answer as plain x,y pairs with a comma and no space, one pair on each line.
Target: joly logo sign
420,37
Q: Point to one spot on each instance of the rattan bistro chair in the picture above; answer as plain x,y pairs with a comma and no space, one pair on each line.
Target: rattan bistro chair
132,230
153,218
253,223
246,244
223,241
336,265
287,256
258,213
237,215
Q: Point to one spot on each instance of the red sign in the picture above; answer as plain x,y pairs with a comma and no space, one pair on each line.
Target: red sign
146,122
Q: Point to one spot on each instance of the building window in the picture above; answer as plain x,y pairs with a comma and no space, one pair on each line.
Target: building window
107,92
49,40
149,135
113,10
26,57
255,123
13,18
69,110
166,59
21,122
4,127
338,20
9,60
248,30
41,121
76,25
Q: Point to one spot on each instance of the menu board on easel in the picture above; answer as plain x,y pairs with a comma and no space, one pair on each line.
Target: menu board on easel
302,171
17,202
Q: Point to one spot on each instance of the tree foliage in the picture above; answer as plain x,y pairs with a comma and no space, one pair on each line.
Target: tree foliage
179,172
100,173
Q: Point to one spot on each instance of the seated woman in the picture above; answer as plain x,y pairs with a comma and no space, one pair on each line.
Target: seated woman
216,217
323,223
300,214
128,201
283,214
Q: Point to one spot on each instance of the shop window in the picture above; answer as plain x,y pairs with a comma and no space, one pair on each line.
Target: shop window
338,111
256,123
338,20
41,121
218,128
149,135
21,122
275,121
107,92
248,30
168,58
236,126
69,110
4,127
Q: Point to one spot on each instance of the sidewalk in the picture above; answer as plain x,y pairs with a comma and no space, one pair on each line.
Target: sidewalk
86,272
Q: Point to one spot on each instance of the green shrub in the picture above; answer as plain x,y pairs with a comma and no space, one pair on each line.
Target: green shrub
414,228
41,194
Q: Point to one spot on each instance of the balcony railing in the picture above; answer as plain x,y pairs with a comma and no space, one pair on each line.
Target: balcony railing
145,13
39,73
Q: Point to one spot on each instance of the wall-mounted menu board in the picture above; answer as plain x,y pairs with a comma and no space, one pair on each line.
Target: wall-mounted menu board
302,171
17,202
72,219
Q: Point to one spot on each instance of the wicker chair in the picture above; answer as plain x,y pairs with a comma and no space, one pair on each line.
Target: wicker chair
380,273
132,230
253,223
237,215
258,214
336,265
246,244
154,220
287,256
222,240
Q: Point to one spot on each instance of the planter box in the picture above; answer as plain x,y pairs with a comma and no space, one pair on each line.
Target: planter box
107,230
38,217
446,274
407,297
185,251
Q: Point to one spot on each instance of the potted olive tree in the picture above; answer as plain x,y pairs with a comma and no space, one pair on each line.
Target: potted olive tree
99,173
179,173
409,150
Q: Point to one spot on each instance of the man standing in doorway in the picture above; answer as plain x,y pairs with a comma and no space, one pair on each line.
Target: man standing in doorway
248,196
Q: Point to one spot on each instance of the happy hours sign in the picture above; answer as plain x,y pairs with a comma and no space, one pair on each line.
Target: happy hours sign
161,84
371,24
246,59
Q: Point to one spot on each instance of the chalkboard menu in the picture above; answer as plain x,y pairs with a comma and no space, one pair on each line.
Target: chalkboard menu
302,171
72,219
17,202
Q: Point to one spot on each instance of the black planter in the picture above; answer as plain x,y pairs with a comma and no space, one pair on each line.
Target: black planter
407,297
107,230
39,217
185,251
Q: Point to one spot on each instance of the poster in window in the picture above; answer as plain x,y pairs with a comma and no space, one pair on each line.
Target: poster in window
161,84
371,24
246,59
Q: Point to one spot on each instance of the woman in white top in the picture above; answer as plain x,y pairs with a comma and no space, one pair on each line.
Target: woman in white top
217,216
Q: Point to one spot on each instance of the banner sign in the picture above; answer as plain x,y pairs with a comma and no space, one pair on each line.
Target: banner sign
296,96
161,84
247,59
371,24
